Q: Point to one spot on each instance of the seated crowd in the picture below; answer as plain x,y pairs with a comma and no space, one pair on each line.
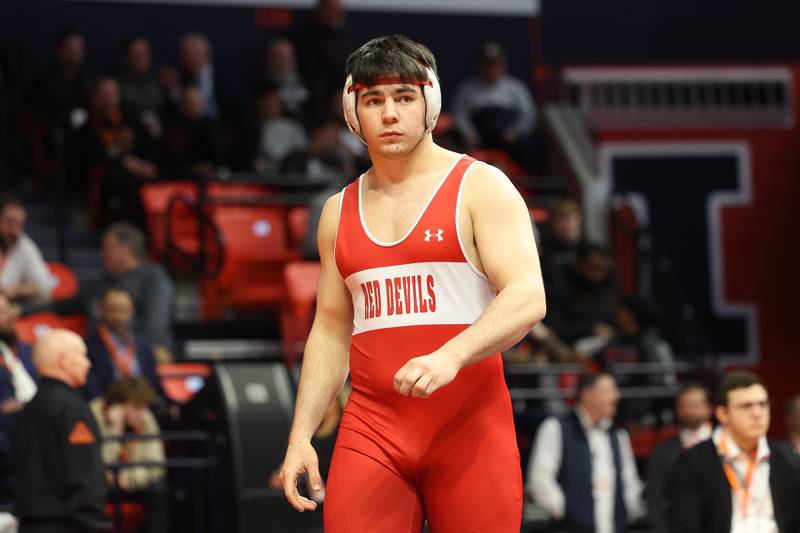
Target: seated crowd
136,127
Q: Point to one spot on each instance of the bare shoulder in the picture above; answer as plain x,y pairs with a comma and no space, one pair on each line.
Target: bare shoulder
487,187
329,218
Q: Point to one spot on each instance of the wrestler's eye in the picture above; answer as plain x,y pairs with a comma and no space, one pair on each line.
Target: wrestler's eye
374,101
406,99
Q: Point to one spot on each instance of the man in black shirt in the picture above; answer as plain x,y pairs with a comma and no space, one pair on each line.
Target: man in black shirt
55,445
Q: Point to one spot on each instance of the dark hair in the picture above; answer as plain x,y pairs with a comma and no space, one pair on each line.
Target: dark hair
65,34
692,386
127,42
8,200
131,389
735,380
112,289
130,236
587,380
587,249
792,405
645,310
102,79
394,55
263,88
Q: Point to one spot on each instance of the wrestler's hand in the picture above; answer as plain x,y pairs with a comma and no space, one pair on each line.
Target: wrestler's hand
422,376
300,458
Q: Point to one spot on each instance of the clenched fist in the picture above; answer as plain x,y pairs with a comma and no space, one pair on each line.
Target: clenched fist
422,376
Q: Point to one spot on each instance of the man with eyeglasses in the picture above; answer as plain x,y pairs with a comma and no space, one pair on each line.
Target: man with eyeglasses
736,482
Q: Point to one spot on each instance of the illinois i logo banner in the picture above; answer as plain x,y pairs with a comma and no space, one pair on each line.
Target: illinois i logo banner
677,193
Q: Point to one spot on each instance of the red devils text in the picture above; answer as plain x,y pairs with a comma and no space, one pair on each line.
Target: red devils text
397,296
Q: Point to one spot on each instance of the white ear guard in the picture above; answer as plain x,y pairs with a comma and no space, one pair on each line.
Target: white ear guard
431,91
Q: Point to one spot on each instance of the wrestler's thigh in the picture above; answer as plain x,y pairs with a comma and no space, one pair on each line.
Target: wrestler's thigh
476,493
364,496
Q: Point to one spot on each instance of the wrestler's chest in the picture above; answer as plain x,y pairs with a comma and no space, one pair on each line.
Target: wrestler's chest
391,219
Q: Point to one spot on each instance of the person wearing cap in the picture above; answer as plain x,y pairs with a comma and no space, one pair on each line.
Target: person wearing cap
496,110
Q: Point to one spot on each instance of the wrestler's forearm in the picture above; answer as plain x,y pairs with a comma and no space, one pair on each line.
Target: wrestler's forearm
325,366
504,322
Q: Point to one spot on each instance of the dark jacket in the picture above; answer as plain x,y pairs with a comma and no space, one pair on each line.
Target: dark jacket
25,355
658,469
575,478
56,451
699,497
102,372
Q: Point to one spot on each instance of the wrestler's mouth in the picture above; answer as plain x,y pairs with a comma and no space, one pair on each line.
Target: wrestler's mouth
391,134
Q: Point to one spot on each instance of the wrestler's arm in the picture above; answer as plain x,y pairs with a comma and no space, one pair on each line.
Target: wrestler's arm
325,363
507,251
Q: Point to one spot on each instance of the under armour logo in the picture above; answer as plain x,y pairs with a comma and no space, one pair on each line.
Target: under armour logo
438,235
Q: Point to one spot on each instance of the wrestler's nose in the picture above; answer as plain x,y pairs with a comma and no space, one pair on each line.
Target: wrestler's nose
389,115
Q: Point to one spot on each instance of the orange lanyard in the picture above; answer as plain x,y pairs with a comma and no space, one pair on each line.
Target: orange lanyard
123,359
734,479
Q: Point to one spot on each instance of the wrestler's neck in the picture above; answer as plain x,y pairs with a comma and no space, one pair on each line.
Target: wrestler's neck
425,158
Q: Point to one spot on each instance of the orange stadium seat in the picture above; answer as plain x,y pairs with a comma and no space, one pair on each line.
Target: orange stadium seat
238,191
255,248
181,381
298,225
499,159
156,198
30,328
132,518
301,278
63,281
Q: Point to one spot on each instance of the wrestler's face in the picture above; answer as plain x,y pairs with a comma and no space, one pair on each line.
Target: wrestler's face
392,117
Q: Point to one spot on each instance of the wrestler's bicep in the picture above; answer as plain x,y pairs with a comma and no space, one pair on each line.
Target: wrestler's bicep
502,228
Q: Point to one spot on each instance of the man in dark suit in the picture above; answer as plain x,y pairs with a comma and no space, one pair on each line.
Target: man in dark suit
793,424
736,482
693,411
114,350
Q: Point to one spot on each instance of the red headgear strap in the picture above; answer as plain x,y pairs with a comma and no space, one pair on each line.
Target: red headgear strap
387,80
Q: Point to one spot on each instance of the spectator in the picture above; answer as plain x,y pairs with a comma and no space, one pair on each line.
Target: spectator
192,140
18,375
114,350
562,237
496,110
126,407
273,136
693,410
197,70
23,273
124,261
142,95
793,423
323,48
17,387
56,447
736,482
325,160
583,471
582,298
61,93
114,156
281,71
638,340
